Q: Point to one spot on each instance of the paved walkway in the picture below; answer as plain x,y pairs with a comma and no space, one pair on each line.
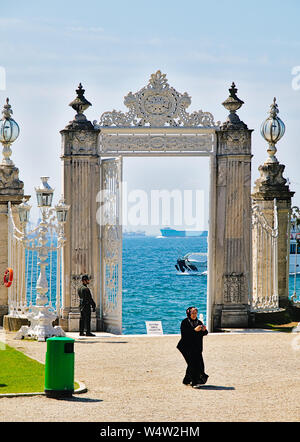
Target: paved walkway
253,377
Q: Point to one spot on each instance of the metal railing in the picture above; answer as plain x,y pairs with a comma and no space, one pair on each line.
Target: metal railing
23,259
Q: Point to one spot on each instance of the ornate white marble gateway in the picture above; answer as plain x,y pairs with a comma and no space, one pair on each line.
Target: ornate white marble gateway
157,123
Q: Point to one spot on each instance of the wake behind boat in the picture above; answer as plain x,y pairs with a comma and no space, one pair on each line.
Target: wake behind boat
192,264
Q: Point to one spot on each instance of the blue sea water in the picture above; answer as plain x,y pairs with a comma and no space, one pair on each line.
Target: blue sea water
152,288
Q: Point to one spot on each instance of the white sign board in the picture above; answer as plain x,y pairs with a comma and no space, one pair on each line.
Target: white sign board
154,328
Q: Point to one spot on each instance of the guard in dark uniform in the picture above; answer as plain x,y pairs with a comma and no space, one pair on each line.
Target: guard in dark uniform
86,302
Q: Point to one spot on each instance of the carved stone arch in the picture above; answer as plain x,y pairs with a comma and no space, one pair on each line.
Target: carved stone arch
157,123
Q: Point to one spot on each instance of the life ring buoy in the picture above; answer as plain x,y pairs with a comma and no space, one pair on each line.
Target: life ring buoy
8,277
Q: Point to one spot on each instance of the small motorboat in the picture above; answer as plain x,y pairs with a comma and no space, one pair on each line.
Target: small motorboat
192,263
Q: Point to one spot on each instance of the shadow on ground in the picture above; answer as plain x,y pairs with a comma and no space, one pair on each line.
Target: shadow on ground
215,387
78,399
99,342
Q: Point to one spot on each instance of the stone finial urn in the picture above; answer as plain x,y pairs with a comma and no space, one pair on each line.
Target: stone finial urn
80,104
233,103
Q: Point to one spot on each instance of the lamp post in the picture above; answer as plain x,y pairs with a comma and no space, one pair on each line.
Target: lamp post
9,132
41,317
272,130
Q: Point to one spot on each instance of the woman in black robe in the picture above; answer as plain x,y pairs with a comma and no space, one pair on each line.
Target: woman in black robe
190,345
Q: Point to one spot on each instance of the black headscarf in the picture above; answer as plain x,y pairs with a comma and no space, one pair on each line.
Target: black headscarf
193,322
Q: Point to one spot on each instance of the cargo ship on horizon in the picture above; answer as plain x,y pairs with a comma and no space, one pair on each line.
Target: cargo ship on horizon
168,232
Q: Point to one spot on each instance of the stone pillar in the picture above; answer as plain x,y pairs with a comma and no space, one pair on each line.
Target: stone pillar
80,184
268,186
232,248
11,189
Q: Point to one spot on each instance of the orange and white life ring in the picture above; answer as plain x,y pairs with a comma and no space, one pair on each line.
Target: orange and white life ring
8,277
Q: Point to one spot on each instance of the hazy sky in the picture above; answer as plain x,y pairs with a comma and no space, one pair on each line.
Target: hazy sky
47,48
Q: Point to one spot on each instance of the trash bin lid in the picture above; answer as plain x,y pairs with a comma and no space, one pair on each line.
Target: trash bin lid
61,339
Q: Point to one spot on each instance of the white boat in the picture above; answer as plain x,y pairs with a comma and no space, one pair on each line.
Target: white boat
192,263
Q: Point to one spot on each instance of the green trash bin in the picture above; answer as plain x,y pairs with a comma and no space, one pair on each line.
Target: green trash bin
59,367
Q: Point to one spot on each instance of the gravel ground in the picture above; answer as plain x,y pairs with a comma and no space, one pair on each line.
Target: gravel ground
252,377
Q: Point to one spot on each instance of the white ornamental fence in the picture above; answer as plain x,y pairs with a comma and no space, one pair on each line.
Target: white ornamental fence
23,259
264,262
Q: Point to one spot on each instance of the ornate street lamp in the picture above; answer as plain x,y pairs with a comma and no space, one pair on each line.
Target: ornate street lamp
41,317
272,130
23,212
9,132
61,211
44,193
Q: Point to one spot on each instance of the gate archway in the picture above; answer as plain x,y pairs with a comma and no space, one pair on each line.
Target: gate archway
158,124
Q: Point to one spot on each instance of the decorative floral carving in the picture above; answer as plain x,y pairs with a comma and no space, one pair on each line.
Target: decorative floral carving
234,288
157,105
83,143
235,142
142,143
10,184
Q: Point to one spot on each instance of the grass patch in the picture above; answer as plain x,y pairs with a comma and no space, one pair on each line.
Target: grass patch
21,374
285,328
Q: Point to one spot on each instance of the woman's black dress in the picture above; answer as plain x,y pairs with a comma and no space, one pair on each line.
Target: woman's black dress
190,345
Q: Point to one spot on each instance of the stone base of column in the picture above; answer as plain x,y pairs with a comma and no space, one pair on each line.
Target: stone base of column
235,316
3,312
284,302
13,323
114,326
100,324
74,318
63,323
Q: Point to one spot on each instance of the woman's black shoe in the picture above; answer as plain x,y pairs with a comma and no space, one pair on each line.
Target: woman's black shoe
203,379
186,381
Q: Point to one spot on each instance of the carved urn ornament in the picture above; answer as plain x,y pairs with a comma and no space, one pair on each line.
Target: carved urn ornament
272,130
80,104
9,132
233,103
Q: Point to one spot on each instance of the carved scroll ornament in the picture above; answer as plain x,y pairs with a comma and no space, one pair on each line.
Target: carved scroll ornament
157,105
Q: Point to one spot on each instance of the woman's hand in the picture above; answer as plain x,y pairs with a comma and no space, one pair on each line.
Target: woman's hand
200,328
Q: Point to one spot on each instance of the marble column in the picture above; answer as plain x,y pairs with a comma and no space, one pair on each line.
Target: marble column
232,246
80,184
